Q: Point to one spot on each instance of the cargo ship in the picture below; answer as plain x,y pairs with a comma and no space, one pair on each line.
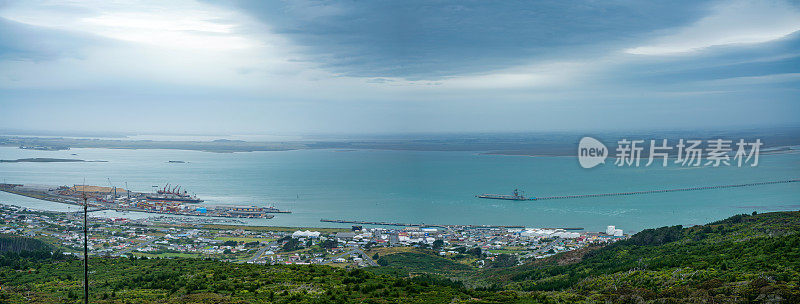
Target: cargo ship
170,198
173,194
515,196
273,209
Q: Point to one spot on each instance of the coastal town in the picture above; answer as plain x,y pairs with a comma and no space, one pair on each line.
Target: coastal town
165,236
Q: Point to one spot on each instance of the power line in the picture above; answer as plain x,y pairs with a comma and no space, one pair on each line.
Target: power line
85,246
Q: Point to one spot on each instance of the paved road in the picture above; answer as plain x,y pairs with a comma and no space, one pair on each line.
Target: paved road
338,256
129,249
33,232
261,252
541,250
367,258
488,242
358,251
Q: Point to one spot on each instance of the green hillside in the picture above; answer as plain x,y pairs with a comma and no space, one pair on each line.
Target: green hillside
742,259
18,244
413,262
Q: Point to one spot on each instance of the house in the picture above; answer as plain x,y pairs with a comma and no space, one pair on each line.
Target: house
342,236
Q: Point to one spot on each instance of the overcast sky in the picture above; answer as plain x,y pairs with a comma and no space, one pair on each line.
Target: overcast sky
258,67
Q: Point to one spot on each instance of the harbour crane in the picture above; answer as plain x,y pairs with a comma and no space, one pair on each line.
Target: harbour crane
114,188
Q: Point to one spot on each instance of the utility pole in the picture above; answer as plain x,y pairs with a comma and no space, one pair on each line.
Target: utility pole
85,247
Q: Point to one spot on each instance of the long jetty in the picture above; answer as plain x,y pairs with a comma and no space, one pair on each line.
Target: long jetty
413,225
654,191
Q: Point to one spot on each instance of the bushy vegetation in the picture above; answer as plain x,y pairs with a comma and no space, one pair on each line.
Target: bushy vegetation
17,244
123,280
20,253
743,259
416,262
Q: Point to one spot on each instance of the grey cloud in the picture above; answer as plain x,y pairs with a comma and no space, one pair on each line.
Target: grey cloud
431,39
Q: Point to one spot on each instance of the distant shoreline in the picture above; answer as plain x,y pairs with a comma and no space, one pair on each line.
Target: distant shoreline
524,144
50,160
771,151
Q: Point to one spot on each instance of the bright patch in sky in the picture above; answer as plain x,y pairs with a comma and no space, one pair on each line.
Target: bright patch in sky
730,23
164,31
184,24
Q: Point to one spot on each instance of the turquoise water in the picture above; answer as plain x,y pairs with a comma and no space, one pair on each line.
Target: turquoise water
421,187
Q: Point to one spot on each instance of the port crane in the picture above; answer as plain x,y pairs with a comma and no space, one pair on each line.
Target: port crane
114,188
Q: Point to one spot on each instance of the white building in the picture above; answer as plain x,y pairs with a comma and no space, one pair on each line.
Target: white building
566,235
548,233
306,234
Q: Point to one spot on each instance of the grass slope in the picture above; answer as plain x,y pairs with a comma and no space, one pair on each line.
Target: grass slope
742,259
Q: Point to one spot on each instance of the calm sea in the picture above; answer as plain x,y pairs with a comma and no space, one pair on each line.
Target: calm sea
420,187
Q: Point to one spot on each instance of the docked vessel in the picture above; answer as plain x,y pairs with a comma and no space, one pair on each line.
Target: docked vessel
169,198
515,196
273,209
173,194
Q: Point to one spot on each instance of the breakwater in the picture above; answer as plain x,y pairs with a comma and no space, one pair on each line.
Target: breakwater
640,192
412,225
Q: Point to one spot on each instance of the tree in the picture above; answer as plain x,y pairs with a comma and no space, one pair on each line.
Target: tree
328,244
475,252
438,244
504,260
291,245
